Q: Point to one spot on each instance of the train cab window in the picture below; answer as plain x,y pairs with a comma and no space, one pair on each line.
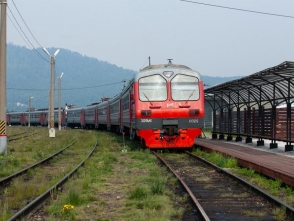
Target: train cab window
152,88
184,88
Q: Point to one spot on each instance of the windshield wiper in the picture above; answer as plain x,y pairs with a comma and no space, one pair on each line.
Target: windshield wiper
190,95
147,98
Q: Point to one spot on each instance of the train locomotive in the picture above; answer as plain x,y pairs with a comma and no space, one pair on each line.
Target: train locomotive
163,105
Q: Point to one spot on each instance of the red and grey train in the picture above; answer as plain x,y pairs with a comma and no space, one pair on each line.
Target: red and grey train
163,105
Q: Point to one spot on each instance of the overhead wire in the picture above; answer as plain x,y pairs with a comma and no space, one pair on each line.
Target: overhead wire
144,63
26,24
66,89
26,39
80,88
18,30
238,9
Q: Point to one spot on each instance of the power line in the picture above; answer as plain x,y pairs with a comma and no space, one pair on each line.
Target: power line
35,51
26,24
17,30
27,39
144,63
80,88
67,89
239,9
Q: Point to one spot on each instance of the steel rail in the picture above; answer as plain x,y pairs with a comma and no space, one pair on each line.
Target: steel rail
289,209
195,201
9,178
15,135
17,138
38,202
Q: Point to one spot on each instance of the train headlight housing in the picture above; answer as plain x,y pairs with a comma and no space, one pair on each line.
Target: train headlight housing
194,112
145,113
168,74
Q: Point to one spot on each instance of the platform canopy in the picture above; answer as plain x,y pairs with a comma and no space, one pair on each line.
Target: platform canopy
273,85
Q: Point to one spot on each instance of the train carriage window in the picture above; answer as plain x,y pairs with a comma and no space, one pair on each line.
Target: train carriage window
184,88
102,111
90,113
152,88
114,108
126,103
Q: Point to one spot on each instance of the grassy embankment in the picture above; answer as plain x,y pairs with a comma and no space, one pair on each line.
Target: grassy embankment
112,185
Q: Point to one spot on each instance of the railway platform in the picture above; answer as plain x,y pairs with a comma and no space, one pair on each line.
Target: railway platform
274,163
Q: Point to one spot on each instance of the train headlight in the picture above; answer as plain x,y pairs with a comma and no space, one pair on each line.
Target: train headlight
194,112
145,113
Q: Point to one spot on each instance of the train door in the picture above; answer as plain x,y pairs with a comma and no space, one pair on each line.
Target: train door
62,118
96,117
43,119
132,112
8,119
108,117
82,118
23,119
120,116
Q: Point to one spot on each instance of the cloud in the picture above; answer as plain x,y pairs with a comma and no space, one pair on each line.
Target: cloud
20,104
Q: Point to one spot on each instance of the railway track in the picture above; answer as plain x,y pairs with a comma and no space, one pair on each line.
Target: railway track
19,136
8,179
219,195
54,171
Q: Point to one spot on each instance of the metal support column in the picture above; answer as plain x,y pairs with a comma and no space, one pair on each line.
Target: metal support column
3,136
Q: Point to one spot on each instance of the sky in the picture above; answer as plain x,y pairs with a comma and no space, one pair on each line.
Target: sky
215,41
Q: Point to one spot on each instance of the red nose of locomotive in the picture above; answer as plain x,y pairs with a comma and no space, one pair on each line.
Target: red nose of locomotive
168,106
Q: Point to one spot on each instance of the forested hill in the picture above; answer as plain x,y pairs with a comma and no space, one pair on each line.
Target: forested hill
85,79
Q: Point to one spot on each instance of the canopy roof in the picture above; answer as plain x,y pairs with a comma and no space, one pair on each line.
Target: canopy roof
271,84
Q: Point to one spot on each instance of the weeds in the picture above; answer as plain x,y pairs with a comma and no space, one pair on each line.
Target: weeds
157,187
218,159
5,214
138,193
74,198
67,212
254,213
280,213
112,185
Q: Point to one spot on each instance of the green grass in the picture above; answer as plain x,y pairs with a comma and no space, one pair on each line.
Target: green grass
130,184
217,159
28,151
272,186
280,213
157,186
139,193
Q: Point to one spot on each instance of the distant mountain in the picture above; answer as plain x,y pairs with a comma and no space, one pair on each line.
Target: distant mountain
212,81
85,79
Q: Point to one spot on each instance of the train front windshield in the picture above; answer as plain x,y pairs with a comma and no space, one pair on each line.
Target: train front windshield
184,87
153,88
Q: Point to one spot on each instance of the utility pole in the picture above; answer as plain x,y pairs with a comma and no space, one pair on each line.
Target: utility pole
29,117
59,102
3,136
48,113
52,62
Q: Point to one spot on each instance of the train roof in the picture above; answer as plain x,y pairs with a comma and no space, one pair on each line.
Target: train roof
157,66
146,71
160,68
